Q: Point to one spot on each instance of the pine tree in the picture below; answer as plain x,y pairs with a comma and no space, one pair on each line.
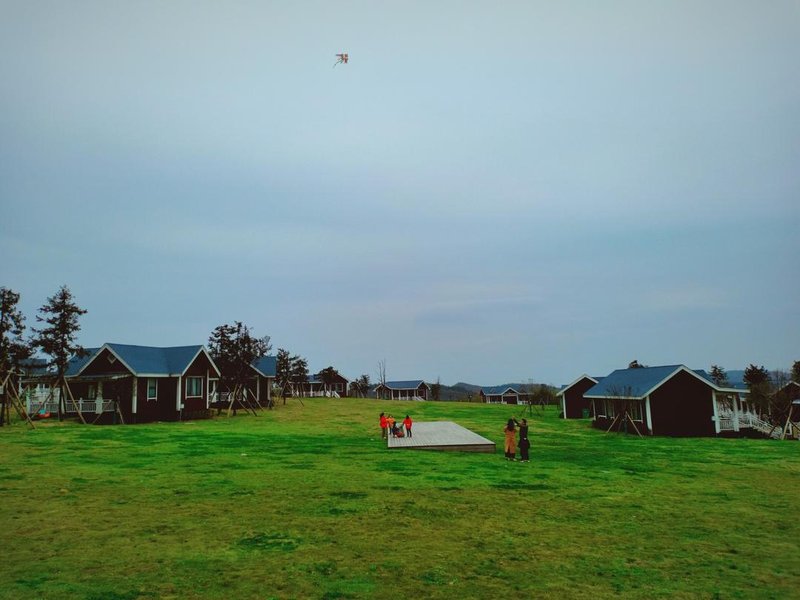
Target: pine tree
13,348
719,376
283,371
234,349
59,338
758,382
299,372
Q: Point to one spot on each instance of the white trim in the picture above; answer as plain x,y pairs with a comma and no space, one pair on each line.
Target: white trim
188,377
715,416
577,381
178,395
194,358
134,399
648,414
99,351
564,406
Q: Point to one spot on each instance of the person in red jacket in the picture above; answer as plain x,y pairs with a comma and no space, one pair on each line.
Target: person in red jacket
384,424
407,424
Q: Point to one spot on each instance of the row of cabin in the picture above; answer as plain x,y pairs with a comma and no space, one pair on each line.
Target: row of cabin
671,400
146,383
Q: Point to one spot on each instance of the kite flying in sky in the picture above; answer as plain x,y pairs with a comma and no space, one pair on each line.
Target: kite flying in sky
341,59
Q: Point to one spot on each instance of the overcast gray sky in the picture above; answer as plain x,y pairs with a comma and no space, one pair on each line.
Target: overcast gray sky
488,192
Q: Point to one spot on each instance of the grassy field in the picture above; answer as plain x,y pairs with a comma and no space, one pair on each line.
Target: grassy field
306,502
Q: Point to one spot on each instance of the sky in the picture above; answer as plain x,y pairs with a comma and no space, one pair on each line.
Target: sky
485,193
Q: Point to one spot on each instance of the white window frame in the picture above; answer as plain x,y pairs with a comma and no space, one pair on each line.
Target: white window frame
639,408
189,381
147,394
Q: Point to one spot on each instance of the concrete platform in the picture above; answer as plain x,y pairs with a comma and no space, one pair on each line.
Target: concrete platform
442,435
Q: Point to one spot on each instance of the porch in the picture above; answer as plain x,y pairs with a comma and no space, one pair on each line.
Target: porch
732,414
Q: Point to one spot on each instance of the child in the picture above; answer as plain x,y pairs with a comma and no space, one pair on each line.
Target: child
407,424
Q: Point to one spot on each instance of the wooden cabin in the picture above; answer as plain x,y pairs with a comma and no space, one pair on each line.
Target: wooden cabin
146,382
573,403
504,394
403,390
264,369
672,400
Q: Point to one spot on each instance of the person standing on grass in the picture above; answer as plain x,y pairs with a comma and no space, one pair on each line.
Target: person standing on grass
511,439
524,442
407,423
384,424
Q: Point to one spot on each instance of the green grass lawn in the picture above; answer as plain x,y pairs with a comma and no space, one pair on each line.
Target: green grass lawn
307,502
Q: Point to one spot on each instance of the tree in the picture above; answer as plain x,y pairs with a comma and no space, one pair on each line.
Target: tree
382,376
796,371
283,371
361,385
757,380
328,376
58,339
299,372
719,376
436,390
234,349
780,399
13,348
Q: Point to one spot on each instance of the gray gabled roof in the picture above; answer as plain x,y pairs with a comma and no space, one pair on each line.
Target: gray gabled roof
638,383
578,380
404,385
497,390
267,366
76,363
148,360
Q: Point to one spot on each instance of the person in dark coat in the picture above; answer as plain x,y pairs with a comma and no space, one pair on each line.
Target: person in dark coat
524,442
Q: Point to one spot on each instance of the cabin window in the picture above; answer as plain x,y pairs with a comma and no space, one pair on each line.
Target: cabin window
610,409
152,388
91,391
635,410
111,358
194,387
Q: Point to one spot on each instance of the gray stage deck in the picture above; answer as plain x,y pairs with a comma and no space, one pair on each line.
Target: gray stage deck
442,435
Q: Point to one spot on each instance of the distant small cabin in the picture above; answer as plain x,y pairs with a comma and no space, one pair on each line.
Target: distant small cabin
573,403
788,393
403,390
672,400
264,370
504,394
314,387
147,383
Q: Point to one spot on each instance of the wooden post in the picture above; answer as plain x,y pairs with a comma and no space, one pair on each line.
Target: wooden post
75,404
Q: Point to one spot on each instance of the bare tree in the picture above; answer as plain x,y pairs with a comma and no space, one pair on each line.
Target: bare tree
382,376
436,390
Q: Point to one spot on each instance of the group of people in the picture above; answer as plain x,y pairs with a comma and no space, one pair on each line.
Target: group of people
511,440
389,425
